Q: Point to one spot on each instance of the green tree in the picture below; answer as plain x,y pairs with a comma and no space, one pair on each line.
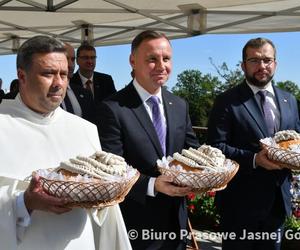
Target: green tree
230,77
200,91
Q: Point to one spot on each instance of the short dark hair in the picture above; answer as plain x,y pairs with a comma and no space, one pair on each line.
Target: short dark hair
146,35
257,43
85,46
14,86
36,45
143,36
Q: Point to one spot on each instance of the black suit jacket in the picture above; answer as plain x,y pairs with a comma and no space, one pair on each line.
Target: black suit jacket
127,130
103,85
236,125
86,102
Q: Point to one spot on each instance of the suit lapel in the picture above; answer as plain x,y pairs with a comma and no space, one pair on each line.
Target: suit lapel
143,117
76,80
282,102
250,103
96,83
170,114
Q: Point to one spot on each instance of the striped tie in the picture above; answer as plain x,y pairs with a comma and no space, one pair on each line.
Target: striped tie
266,107
158,122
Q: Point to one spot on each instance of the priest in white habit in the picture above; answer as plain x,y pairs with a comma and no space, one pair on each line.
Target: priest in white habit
35,133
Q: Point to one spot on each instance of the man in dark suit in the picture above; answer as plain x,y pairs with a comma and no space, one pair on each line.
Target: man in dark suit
155,208
78,101
257,199
101,85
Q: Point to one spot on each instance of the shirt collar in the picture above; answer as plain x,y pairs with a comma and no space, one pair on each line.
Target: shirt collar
84,79
267,87
144,94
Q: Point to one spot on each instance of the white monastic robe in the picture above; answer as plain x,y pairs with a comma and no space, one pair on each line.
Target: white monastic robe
30,141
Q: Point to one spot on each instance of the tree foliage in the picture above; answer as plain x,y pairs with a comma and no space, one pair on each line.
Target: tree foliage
200,90
230,77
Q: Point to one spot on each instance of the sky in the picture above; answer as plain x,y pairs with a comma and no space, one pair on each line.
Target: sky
189,53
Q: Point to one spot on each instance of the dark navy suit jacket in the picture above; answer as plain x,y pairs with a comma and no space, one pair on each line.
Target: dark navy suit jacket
103,88
127,130
103,85
235,126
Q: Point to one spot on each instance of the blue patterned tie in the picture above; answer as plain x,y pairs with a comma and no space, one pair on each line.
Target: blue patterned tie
158,122
266,106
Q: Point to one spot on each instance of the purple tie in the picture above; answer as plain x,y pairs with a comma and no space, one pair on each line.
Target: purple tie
266,106
158,123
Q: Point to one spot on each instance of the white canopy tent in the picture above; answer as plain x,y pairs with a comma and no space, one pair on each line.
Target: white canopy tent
108,22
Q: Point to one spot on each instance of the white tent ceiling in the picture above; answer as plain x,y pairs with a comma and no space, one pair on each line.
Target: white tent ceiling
108,22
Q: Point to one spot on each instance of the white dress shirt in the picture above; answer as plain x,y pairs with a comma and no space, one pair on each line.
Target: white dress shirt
274,109
145,95
272,100
84,80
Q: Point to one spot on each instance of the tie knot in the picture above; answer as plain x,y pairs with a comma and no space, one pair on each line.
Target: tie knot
154,100
263,94
88,82
89,86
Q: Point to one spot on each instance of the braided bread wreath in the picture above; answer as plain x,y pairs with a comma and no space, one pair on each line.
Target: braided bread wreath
99,180
284,148
203,169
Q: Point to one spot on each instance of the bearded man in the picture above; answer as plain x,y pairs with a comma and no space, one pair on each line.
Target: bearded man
257,200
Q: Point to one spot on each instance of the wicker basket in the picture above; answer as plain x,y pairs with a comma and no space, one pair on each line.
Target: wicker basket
202,181
89,194
285,158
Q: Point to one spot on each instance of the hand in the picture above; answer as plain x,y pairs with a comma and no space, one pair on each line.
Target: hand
164,185
36,199
262,160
